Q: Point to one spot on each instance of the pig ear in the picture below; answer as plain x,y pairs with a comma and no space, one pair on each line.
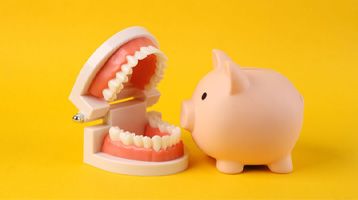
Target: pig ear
239,81
219,59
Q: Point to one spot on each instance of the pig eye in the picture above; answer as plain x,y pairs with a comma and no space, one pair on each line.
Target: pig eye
203,96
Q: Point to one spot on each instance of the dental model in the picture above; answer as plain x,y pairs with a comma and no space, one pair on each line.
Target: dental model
117,84
244,116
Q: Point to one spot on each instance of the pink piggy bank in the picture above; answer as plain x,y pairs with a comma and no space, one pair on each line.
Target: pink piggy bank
244,116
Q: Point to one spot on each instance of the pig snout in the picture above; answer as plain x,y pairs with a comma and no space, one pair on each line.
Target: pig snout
187,115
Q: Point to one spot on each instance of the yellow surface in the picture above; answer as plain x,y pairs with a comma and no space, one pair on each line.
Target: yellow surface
43,46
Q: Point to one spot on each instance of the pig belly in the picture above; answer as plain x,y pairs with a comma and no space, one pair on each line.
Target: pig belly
251,149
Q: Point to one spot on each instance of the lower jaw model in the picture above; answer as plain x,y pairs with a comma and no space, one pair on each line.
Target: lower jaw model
117,84
160,142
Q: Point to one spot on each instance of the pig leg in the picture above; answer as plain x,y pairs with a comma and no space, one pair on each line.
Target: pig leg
229,167
284,165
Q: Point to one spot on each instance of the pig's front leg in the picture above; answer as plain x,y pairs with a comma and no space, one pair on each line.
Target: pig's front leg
282,166
229,167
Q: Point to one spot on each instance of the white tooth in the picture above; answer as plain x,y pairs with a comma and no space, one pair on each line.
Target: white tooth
122,77
176,130
108,95
122,136
114,133
147,142
152,123
145,50
115,85
170,129
132,61
138,140
126,138
165,142
175,137
127,69
172,140
157,142
153,49
155,122
140,55
162,127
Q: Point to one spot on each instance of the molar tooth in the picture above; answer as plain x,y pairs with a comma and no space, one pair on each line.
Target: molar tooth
162,127
157,142
175,137
115,85
145,50
165,142
132,61
140,55
170,129
114,133
153,49
176,130
108,95
127,69
152,123
147,142
172,140
138,140
126,138
122,136
122,77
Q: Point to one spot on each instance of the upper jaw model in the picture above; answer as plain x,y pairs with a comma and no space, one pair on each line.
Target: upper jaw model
117,84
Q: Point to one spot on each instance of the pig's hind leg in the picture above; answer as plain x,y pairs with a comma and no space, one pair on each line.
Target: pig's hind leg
282,166
229,167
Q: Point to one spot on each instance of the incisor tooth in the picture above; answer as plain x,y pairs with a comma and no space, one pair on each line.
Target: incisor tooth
157,143
165,142
147,142
114,133
138,140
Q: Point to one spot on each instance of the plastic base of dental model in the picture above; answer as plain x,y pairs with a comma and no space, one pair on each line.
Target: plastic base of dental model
93,140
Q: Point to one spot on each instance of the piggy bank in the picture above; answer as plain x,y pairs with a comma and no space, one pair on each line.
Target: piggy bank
244,116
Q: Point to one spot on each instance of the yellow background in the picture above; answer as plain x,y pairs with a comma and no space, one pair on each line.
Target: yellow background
43,46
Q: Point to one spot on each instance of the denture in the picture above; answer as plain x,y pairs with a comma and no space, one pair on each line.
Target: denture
117,84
